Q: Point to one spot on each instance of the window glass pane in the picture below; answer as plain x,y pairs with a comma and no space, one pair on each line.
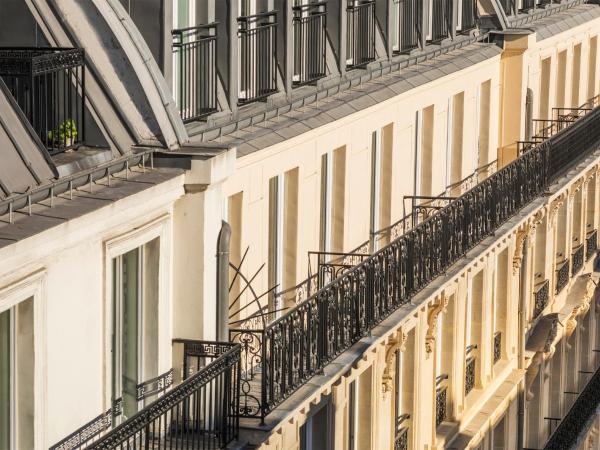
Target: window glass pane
24,374
5,370
183,13
129,355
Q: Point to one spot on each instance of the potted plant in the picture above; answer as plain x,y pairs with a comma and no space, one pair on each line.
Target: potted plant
65,135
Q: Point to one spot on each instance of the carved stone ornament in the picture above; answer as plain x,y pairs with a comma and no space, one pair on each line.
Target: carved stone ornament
395,344
576,186
518,256
434,310
554,207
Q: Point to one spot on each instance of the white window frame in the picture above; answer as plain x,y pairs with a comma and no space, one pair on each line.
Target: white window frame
158,228
31,286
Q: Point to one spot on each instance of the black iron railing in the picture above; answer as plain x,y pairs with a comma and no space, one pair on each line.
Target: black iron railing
562,276
195,71
469,15
408,24
441,400
310,41
201,412
401,435
360,36
470,374
591,244
584,408
292,349
497,346
440,24
577,260
48,84
257,39
541,297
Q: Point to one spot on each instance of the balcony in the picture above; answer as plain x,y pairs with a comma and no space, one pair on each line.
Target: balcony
470,369
195,71
577,260
257,40
401,437
200,412
440,25
591,244
497,346
562,276
407,16
441,400
280,357
48,84
526,5
541,297
310,42
360,36
469,15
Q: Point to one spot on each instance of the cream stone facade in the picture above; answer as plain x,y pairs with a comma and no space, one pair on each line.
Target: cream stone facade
299,225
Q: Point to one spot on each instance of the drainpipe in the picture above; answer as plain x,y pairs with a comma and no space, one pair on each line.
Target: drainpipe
223,282
521,328
529,115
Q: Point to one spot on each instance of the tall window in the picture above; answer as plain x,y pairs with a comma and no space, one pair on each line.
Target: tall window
575,100
184,13
134,323
376,155
591,90
333,190
16,377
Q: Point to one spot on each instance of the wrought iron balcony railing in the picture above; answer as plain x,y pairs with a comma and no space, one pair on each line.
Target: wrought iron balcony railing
497,346
585,407
440,24
562,276
310,40
541,297
470,369
577,260
360,36
591,244
469,15
508,6
278,359
195,71
48,84
201,412
401,435
257,39
441,400
407,15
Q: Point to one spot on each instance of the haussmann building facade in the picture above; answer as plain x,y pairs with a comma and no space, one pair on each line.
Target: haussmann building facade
299,224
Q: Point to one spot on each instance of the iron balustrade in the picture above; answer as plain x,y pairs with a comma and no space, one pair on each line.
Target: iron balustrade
195,71
541,297
48,84
469,15
257,39
562,276
360,35
577,260
497,346
401,435
591,244
441,400
201,412
408,15
470,367
280,358
440,24
310,42
585,407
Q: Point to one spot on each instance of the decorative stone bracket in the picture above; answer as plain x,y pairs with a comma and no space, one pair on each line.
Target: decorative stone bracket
395,344
434,311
